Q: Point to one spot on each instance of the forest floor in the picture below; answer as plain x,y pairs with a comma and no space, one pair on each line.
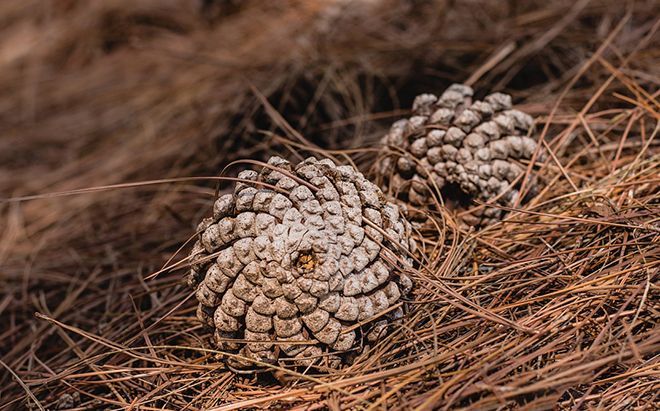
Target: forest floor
116,116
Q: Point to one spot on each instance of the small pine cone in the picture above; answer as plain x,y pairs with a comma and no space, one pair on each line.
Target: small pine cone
453,141
294,257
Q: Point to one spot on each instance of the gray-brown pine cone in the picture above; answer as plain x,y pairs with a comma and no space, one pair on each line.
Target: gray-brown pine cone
291,269
452,140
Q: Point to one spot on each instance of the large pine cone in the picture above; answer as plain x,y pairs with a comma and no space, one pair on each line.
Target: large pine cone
293,260
451,141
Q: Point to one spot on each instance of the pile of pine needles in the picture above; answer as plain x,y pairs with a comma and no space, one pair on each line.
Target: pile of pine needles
116,118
